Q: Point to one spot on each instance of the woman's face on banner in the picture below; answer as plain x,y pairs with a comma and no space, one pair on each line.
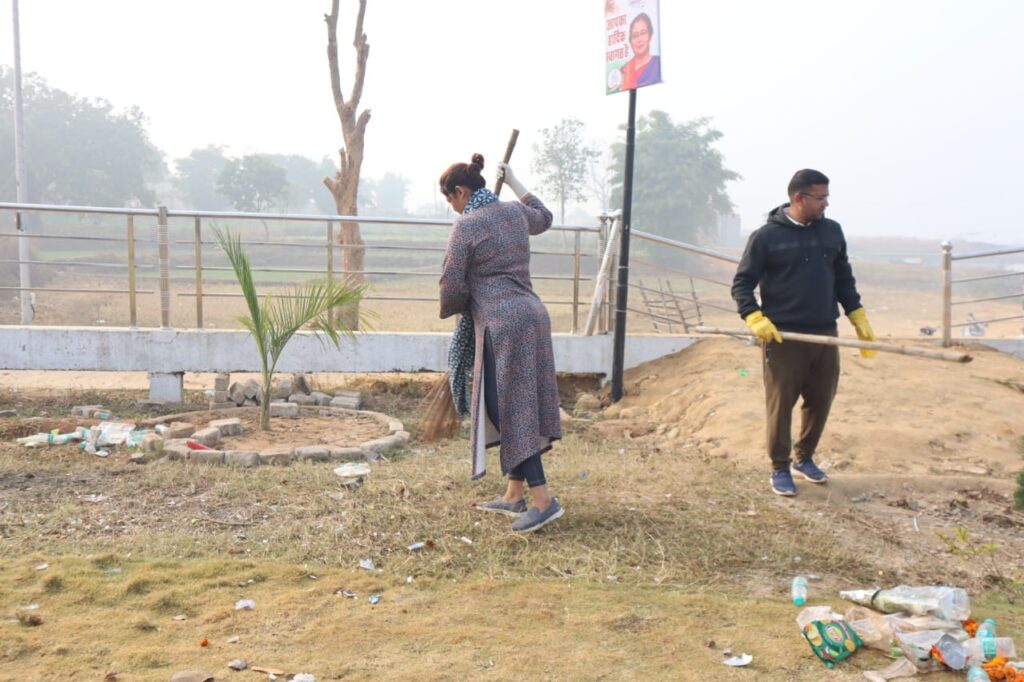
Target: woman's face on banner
640,38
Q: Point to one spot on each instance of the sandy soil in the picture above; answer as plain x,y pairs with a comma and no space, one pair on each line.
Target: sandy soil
893,415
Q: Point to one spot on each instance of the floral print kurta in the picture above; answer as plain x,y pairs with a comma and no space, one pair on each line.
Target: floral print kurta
486,274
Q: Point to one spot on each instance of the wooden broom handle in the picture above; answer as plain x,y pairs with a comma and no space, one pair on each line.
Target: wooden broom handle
508,157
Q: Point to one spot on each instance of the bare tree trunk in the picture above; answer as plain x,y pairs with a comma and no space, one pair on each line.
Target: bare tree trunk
344,186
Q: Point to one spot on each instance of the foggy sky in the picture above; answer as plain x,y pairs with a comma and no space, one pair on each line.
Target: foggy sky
912,107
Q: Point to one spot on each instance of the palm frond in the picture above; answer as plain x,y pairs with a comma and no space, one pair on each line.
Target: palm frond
309,305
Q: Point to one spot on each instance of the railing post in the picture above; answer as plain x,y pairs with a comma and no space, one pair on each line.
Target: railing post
133,320
199,273
602,241
947,294
330,265
613,282
163,255
575,282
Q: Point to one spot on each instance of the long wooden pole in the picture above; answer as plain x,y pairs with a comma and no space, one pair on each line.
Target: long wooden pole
949,356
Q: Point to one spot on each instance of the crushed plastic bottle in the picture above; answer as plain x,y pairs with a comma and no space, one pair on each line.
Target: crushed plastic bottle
977,674
987,634
798,590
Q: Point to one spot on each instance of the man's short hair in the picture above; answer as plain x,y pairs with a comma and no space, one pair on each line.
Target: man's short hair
804,179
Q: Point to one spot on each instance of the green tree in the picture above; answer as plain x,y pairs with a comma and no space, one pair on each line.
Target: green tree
679,177
561,158
80,151
389,194
197,176
253,183
274,321
306,182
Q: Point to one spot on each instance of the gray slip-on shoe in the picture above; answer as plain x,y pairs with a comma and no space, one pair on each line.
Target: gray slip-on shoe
500,506
535,519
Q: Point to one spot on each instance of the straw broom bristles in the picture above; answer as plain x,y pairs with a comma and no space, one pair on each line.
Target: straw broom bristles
440,419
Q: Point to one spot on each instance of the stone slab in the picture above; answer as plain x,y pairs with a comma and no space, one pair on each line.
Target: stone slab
301,399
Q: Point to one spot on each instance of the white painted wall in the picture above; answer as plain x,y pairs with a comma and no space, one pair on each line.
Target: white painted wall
196,350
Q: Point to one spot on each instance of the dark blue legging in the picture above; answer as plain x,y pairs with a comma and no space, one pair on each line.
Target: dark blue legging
530,470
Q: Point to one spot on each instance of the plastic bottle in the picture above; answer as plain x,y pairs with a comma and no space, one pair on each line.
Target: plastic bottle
977,674
987,634
799,590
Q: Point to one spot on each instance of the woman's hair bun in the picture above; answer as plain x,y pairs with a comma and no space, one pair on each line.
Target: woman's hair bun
478,160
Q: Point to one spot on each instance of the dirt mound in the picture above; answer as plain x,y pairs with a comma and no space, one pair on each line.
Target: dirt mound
893,413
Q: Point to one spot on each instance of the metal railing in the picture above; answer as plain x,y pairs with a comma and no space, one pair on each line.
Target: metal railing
947,290
189,253
201,219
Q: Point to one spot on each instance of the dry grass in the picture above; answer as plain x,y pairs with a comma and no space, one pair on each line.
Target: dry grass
658,552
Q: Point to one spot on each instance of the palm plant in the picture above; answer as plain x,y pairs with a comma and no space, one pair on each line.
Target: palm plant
274,321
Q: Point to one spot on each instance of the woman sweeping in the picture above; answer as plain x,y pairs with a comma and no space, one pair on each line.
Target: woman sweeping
506,329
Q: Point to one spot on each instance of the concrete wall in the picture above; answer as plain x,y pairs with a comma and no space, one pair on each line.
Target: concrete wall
172,351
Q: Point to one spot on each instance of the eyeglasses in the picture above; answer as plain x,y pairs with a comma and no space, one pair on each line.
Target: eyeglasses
823,197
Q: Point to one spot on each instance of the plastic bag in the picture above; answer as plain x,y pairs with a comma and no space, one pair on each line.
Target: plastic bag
830,636
949,603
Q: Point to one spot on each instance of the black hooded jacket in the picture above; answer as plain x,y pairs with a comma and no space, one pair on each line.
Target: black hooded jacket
802,271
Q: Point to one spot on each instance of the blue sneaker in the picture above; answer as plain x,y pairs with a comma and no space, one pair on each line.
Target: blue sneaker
782,483
500,506
535,519
809,470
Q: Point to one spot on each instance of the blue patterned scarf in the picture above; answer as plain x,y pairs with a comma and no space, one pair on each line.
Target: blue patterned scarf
462,351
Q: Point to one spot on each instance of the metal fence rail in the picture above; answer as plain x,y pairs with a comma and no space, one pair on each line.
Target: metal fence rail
948,281
203,220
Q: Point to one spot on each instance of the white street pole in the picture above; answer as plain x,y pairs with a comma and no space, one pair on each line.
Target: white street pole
21,176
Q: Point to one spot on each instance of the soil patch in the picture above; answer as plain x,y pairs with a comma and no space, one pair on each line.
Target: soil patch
341,430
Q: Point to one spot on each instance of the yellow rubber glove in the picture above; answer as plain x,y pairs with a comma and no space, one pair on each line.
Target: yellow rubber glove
859,318
762,327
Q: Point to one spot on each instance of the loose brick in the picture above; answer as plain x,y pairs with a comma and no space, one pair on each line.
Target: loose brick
179,430
227,427
205,456
210,436
346,454
284,410
312,453
241,458
345,402
277,456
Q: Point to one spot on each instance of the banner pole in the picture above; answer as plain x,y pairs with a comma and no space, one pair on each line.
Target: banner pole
622,293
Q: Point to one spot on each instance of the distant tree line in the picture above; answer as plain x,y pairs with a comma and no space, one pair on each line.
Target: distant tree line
83,152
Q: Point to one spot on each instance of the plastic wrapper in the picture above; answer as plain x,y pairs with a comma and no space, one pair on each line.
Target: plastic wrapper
975,653
831,638
948,603
917,647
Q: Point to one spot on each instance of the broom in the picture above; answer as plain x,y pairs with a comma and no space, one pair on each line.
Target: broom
440,418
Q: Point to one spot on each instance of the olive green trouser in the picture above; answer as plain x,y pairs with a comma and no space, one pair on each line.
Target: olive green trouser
793,370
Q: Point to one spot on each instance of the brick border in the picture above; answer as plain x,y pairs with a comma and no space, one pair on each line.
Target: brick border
371,450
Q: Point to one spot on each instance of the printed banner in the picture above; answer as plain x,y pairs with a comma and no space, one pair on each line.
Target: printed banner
632,45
